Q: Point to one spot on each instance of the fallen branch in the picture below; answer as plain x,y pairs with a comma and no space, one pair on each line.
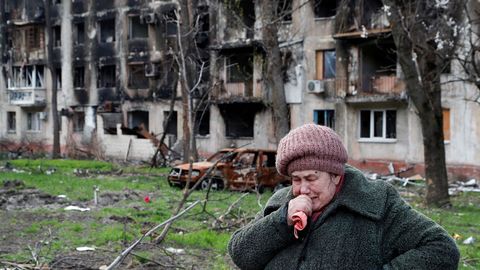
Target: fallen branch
230,208
122,256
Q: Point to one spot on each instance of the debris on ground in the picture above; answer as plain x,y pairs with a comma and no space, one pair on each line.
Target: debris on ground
469,241
76,208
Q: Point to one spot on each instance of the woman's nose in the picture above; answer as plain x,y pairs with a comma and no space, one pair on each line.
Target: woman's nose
304,187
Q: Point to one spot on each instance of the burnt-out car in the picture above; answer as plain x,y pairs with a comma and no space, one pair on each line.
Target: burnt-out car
235,169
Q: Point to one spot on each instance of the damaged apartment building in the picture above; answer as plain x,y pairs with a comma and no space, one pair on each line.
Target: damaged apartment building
115,78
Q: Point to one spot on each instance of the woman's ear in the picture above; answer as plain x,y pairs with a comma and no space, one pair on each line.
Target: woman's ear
335,179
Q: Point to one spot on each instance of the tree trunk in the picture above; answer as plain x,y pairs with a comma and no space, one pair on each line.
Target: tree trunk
53,75
273,74
422,78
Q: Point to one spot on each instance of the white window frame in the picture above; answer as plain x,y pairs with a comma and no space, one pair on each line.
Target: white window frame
36,123
383,138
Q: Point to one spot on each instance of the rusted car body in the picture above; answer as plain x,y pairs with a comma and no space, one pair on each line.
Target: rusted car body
235,169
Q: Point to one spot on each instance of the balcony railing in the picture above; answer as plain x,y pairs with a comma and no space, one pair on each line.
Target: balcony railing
27,96
387,84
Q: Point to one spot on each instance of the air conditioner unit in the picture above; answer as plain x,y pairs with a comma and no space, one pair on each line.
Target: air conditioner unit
151,70
42,115
149,18
315,86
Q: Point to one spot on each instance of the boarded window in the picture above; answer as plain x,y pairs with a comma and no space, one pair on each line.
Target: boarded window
137,29
11,122
378,124
324,118
136,77
106,76
325,64
324,8
79,33
107,31
79,77
446,124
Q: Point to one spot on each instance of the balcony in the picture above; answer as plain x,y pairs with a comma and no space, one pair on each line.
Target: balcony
384,88
27,97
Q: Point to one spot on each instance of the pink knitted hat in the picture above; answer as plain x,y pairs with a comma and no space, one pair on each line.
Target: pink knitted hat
311,147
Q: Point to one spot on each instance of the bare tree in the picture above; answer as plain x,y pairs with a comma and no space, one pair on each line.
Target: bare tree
53,76
425,43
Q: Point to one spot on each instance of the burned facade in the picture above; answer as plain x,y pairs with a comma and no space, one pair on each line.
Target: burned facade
116,75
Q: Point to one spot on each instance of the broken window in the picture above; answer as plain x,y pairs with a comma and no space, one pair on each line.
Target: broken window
33,121
202,122
378,124
325,64
138,118
171,127
377,60
78,120
136,28
107,31
57,36
79,33
79,77
136,77
324,8
446,124
106,76
239,119
26,77
284,10
324,118
11,122
239,68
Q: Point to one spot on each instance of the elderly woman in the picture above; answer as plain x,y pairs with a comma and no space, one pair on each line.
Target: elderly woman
333,217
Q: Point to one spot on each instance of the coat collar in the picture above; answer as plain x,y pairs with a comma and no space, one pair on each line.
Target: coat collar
361,195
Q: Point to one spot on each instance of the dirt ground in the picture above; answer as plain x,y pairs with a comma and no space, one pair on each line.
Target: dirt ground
17,212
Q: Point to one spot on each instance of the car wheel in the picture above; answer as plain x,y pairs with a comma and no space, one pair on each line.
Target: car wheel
217,184
260,188
278,187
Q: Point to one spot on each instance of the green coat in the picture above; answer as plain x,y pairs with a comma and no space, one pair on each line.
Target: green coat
366,226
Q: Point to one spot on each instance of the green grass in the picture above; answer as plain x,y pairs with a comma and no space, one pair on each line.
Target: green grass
191,232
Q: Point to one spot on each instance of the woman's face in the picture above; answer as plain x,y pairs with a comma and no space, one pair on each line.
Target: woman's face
319,186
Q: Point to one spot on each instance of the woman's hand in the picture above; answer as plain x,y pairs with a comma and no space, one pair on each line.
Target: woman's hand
301,203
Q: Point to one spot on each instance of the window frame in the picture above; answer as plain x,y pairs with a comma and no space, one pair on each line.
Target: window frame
324,113
34,123
372,137
321,68
11,122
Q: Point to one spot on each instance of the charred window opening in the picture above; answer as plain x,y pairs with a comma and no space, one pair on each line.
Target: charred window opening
324,8
136,28
138,118
79,33
284,10
26,77
268,160
79,77
106,76
29,37
244,9
378,60
11,122
239,68
58,80
202,122
57,36
287,60
170,24
136,77
324,118
239,119
171,125
78,120
107,31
